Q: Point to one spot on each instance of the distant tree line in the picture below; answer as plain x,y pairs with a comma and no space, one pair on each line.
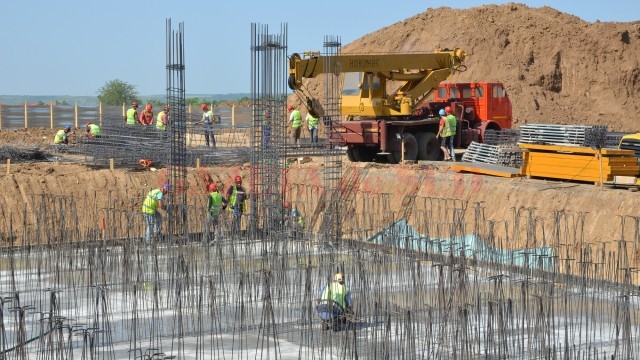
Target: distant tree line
117,92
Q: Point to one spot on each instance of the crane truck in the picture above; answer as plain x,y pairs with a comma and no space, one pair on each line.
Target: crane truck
385,105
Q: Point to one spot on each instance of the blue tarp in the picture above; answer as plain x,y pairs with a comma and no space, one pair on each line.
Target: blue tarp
402,235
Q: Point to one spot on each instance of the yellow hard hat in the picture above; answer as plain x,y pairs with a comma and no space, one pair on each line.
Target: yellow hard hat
338,277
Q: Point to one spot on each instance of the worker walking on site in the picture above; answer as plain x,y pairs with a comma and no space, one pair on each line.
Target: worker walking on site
446,133
61,137
151,205
333,303
146,117
292,220
132,114
207,121
216,203
312,124
295,121
163,119
237,197
93,130
453,123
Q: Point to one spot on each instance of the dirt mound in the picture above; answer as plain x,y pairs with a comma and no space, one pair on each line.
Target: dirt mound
557,67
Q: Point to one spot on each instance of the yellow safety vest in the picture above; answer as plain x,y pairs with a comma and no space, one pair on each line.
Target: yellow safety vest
312,121
150,204
232,200
159,124
449,126
216,203
95,129
296,119
131,116
59,139
336,292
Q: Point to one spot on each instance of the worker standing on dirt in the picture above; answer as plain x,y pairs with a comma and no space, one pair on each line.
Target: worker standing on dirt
61,137
93,130
216,203
453,122
334,301
312,124
237,196
151,205
163,119
207,121
446,133
295,121
146,117
292,219
132,114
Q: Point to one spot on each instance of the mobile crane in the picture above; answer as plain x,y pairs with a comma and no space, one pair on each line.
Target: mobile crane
377,122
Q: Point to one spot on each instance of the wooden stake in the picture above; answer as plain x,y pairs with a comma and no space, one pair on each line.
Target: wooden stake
600,156
402,153
111,164
8,166
197,163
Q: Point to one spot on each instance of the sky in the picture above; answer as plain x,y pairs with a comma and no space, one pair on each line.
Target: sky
75,47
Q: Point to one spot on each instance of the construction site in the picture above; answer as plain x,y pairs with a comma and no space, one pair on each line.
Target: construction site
525,247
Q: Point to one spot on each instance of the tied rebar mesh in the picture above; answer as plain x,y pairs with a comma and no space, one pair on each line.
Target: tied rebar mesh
176,209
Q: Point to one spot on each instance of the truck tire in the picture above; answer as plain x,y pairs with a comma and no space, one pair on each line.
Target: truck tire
428,147
350,155
364,154
410,150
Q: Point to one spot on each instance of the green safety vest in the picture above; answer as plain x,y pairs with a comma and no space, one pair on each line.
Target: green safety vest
95,129
336,292
216,203
131,116
449,126
150,204
296,119
59,139
232,200
312,121
159,124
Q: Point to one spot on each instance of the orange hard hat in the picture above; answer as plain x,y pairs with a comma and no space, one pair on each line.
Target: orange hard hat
447,109
238,179
88,123
149,106
287,204
204,106
135,103
290,107
213,187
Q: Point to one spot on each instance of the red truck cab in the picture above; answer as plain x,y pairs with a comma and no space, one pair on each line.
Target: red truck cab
485,105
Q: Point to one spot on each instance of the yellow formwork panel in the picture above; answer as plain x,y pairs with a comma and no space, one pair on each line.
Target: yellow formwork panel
577,163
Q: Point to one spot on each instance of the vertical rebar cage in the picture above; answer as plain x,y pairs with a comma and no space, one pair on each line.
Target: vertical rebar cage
268,99
177,204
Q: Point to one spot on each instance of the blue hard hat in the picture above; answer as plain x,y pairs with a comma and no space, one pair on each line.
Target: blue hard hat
68,128
442,112
165,187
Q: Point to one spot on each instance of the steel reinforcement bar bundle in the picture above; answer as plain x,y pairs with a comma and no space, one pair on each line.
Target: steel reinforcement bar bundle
128,144
440,281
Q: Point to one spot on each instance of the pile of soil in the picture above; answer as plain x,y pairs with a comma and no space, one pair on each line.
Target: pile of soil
557,68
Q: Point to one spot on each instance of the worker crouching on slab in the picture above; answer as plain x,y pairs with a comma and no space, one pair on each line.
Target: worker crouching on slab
61,137
334,302
151,205
93,130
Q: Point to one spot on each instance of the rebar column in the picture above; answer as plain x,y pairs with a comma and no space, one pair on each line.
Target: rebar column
332,156
177,204
268,99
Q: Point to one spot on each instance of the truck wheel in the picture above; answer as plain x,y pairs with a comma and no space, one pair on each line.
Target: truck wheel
428,147
350,155
410,150
364,154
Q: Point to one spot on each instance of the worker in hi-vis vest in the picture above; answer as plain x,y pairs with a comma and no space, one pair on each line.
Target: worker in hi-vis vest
151,206
131,118
295,120
334,301
61,136
216,203
163,119
237,197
